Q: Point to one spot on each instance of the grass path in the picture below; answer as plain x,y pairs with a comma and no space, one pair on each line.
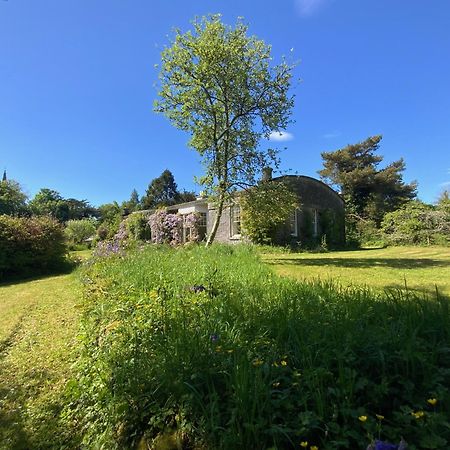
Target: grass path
38,327
420,268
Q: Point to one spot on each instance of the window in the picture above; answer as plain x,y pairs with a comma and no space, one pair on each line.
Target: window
315,222
202,220
235,221
293,222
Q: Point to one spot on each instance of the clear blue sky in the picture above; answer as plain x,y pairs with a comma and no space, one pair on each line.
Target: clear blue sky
77,86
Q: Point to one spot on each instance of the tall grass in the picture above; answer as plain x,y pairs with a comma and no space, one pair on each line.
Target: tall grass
208,348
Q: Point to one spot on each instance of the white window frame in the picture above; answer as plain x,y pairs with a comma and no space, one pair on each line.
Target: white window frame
233,222
294,221
315,222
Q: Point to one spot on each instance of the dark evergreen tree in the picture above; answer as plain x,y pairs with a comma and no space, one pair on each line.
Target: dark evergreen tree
163,191
369,192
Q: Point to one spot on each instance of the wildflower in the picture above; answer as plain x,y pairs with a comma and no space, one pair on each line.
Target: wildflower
218,349
432,401
230,350
258,362
214,338
283,363
276,384
362,418
275,364
418,414
381,445
379,416
314,447
304,444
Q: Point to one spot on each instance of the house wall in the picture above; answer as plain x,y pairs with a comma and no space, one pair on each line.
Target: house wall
224,229
315,195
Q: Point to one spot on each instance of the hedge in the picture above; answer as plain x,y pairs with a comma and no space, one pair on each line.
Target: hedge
30,245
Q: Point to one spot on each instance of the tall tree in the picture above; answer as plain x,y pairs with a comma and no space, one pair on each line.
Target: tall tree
163,191
50,202
218,84
12,198
369,192
133,203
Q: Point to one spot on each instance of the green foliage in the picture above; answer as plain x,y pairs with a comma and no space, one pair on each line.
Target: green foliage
418,223
137,227
12,198
111,215
78,231
163,191
50,202
217,84
29,245
369,192
264,208
208,348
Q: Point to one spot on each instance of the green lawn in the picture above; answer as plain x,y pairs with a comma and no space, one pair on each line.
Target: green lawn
38,327
419,268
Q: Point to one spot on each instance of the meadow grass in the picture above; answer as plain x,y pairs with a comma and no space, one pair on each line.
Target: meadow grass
208,348
38,326
423,269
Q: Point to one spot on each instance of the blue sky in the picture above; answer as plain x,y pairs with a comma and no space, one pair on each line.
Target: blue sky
77,87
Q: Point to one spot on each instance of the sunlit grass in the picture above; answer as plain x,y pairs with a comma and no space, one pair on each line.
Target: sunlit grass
417,268
208,348
38,325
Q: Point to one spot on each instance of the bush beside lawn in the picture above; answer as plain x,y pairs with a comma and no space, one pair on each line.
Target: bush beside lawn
208,348
30,245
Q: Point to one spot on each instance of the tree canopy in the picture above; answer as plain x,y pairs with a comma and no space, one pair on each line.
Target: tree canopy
50,202
12,198
218,84
163,191
369,192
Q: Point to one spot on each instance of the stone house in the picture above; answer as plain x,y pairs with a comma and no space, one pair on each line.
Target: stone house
321,214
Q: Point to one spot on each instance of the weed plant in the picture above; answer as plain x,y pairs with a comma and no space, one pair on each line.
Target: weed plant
209,349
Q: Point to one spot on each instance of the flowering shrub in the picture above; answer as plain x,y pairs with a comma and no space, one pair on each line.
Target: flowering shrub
192,223
166,228
114,246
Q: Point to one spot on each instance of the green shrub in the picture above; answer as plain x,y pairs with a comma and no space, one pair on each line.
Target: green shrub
208,348
79,231
30,245
417,223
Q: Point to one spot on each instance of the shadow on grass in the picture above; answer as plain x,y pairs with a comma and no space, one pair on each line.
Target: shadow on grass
11,279
395,263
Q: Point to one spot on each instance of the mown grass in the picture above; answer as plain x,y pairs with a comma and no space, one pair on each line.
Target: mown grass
418,268
38,326
208,348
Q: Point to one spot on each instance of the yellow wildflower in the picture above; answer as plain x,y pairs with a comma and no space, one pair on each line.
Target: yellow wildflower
258,362
218,349
304,444
432,401
362,418
230,350
314,447
379,416
283,363
418,414
275,364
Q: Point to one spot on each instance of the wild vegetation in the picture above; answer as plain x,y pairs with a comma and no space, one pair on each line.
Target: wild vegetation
192,347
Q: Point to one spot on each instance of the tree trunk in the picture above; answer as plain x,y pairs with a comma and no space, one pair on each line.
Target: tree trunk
212,235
